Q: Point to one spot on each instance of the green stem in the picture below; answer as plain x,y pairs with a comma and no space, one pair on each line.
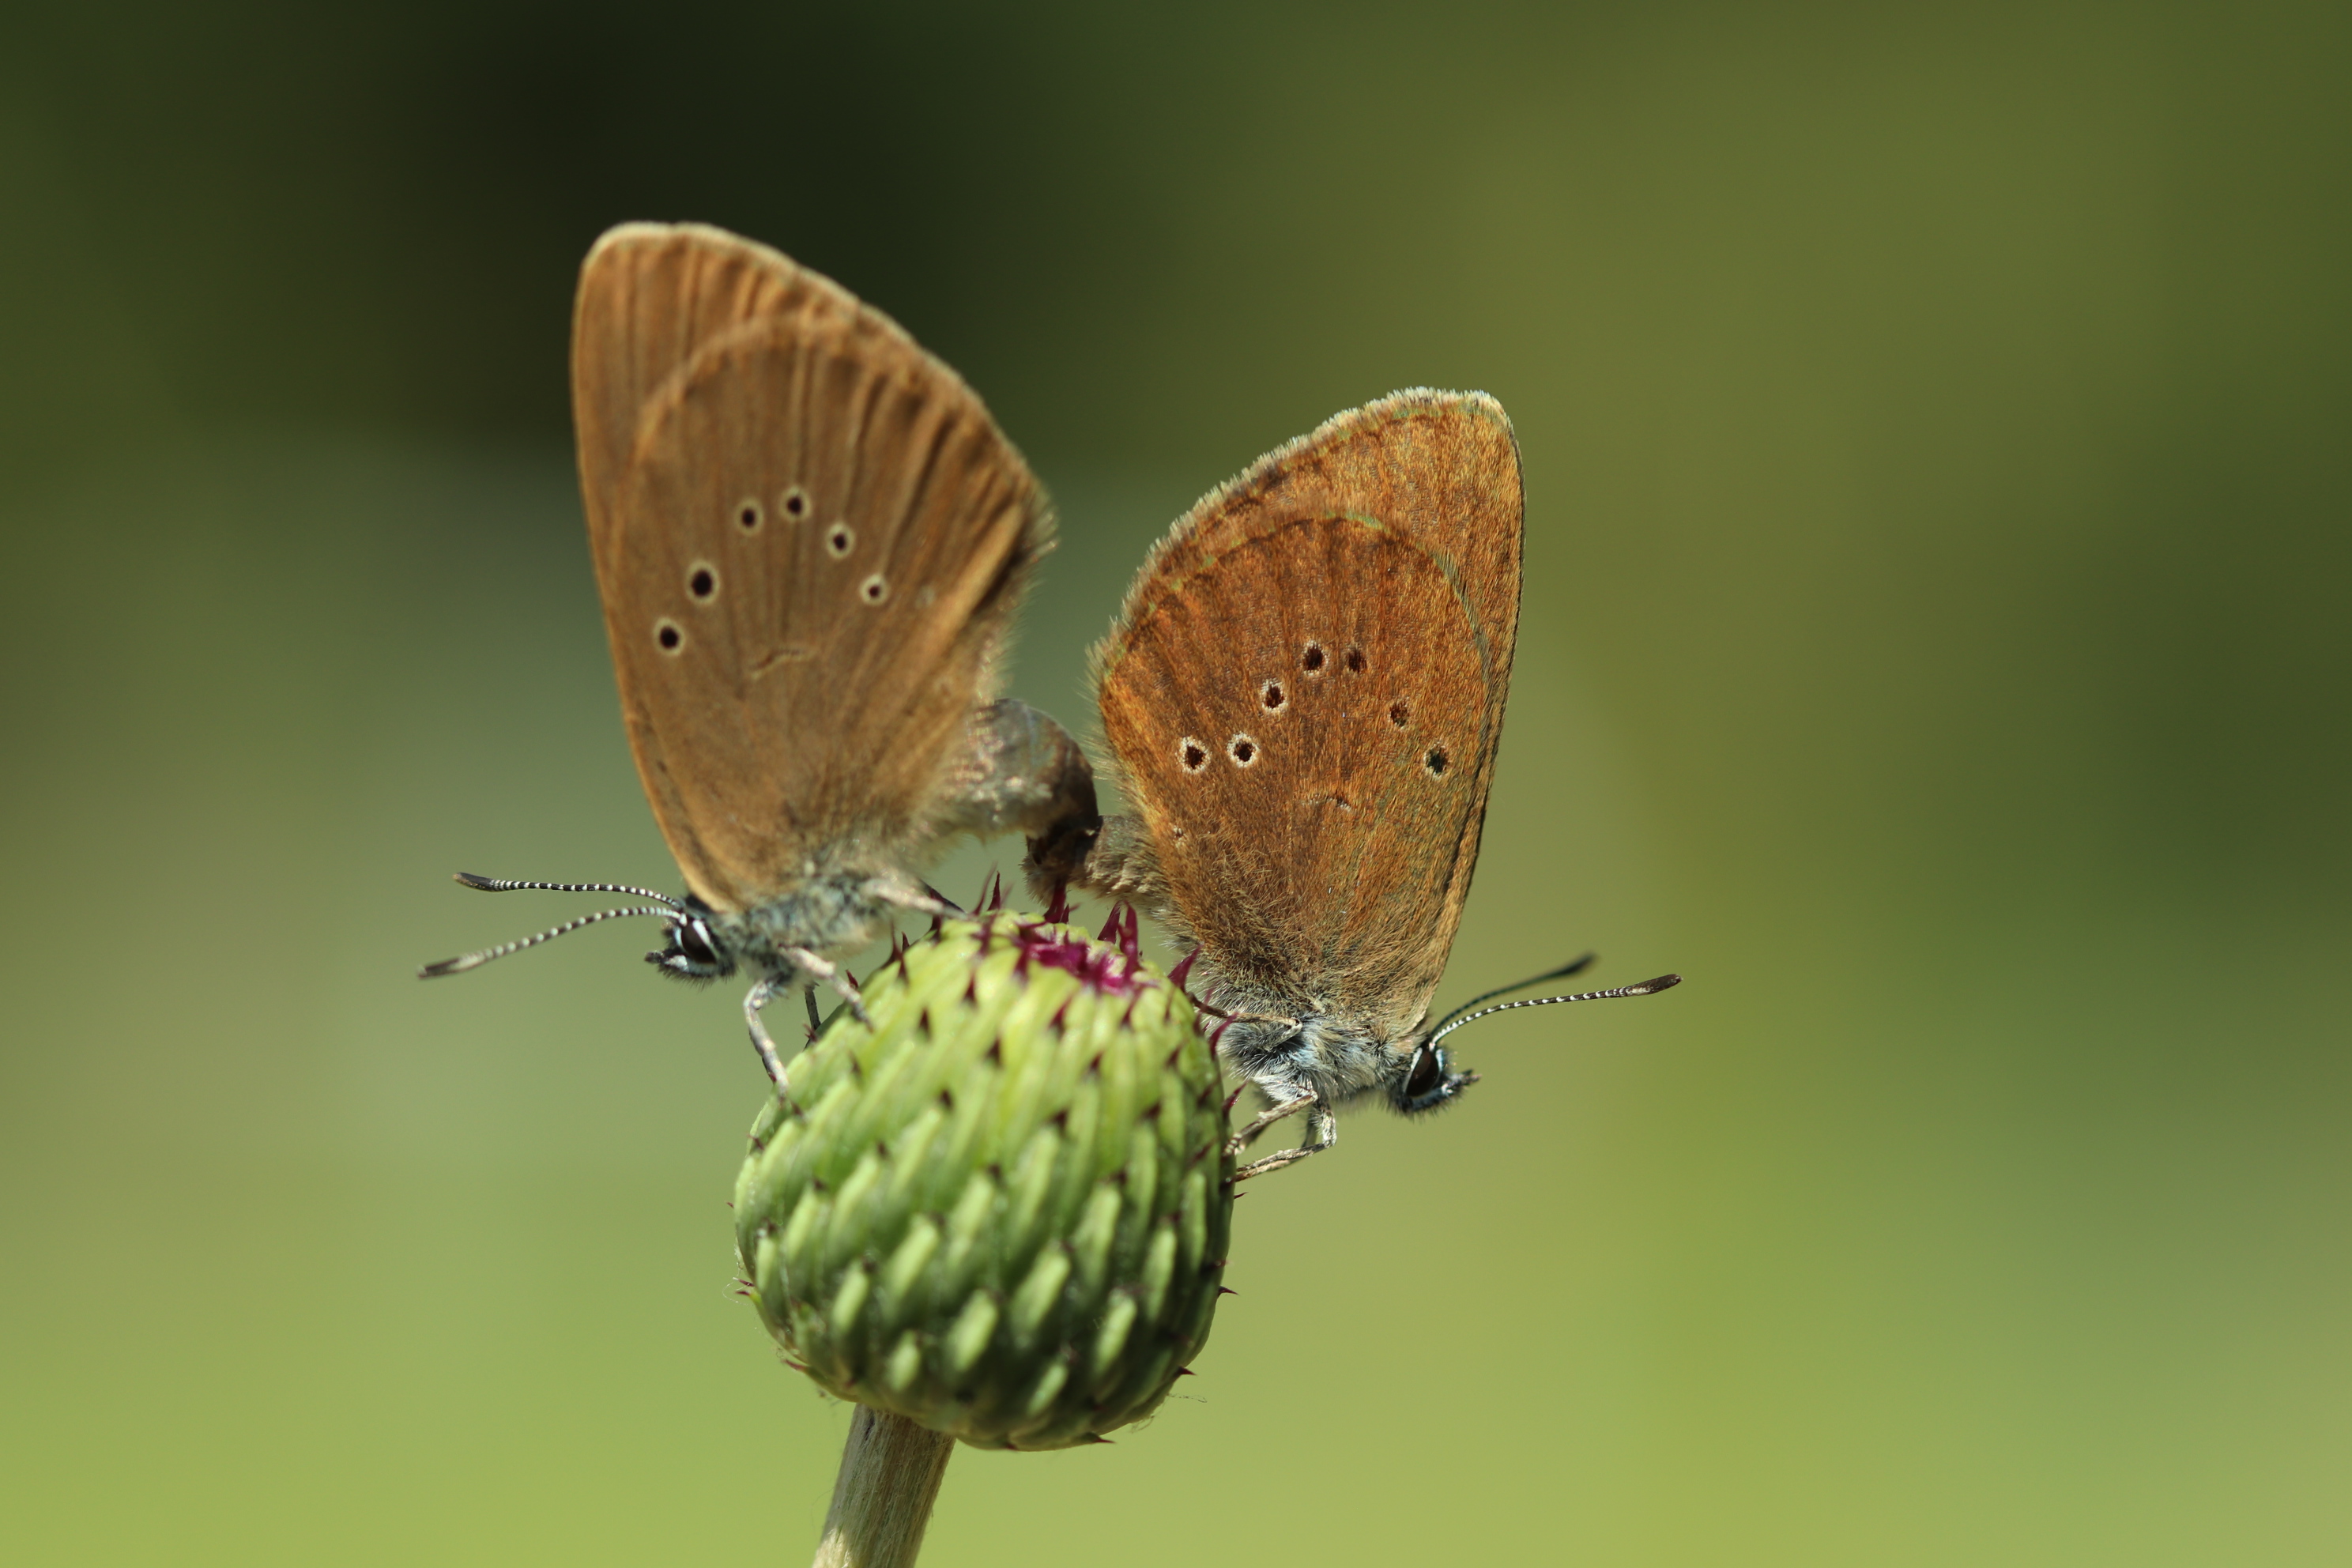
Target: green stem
890,1474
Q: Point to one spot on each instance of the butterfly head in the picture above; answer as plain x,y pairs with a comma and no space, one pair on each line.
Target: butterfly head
1426,1079
691,950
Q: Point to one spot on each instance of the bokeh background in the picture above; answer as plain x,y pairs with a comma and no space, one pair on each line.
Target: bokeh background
1937,646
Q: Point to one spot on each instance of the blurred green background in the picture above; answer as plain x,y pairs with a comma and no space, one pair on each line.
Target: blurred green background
1937,646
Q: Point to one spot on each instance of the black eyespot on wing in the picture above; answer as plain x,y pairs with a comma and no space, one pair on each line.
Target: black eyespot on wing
1194,755
1355,661
1272,694
839,539
668,637
702,581
1243,750
1400,712
1312,661
795,503
749,515
1436,761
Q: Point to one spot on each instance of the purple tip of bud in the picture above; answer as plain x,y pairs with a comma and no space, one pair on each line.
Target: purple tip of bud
1109,931
1186,1371
1097,970
1184,969
1057,909
1233,1099
1227,1291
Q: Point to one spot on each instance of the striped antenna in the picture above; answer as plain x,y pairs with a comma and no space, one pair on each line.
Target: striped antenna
1645,988
464,962
482,884
1574,967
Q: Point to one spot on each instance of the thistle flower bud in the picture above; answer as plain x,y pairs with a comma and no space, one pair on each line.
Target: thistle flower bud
1001,1208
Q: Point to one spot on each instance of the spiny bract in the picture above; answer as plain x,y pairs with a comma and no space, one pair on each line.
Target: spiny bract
1001,1209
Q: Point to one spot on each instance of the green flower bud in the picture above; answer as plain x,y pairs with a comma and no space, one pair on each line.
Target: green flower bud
1001,1208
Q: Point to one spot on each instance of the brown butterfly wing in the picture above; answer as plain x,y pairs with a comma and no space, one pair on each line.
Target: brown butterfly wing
811,555
1443,466
651,294
1441,469
1304,727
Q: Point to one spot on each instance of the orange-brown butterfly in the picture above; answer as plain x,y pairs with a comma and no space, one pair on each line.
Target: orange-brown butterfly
1303,696
810,539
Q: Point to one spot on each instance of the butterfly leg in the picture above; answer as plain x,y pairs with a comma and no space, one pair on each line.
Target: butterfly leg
770,1059
1322,1131
816,966
929,901
1266,1119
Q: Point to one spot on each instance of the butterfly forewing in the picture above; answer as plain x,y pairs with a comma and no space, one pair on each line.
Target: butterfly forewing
1443,466
810,553
651,294
1304,726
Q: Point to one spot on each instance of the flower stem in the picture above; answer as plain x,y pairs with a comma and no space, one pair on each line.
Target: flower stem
890,1473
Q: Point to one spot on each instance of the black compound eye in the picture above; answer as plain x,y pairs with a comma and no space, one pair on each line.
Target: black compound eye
694,941
1428,1072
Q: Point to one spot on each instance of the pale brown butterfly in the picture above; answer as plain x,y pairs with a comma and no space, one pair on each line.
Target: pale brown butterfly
809,539
1303,696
